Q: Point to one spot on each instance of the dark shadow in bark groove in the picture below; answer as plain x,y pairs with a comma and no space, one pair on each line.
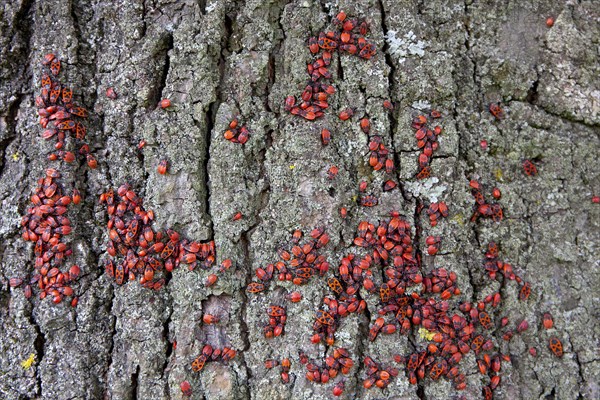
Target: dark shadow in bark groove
113,335
11,129
363,334
393,120
202,6
39,344
135,382
163,48
210,117
169,349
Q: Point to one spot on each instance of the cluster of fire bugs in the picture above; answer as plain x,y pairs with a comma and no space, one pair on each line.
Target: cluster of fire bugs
59,115
45,224
347,37
409,299
144,252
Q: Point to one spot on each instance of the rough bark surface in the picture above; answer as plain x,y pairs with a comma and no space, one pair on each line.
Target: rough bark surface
217,59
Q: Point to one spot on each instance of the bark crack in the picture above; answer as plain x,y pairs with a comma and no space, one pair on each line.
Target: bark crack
210,117
393,120
169,349
164,46
578,362
11,130
469,47
144,15
39,345
113,334
363,334
202,6
135,377
245,331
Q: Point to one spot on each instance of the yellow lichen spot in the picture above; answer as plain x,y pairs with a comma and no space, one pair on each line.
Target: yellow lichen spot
459,219
15,156
425,334
292,166
29,362
355,197
498,175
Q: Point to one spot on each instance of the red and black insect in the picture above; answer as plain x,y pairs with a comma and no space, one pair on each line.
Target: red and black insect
332,172
525,291
325,136
496,111
547,321
369,201
164,103
529,168
163,165
346,114
555,346
255,287
277,320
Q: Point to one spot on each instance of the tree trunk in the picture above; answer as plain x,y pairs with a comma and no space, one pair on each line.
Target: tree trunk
217,60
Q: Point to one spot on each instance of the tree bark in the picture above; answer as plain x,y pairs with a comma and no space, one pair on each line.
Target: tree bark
216,60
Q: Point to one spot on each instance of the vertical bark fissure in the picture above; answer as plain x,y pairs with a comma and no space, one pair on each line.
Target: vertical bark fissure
144,15
248,262
210,116
75,24
271,75
23,30
82,176
39,344
135,378
169,349
11,130
393,121
245,332
140,153
363,334
421,392
23,21
469,49
532,93
113,335
202,6
474,239
578,362
156,95
24,25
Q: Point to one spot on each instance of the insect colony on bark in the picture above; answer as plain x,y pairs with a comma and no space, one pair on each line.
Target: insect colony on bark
45,224
144,252
427,142
347,38
408,298
58,114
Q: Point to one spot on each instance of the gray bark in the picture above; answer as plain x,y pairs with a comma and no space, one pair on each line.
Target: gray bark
218,59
